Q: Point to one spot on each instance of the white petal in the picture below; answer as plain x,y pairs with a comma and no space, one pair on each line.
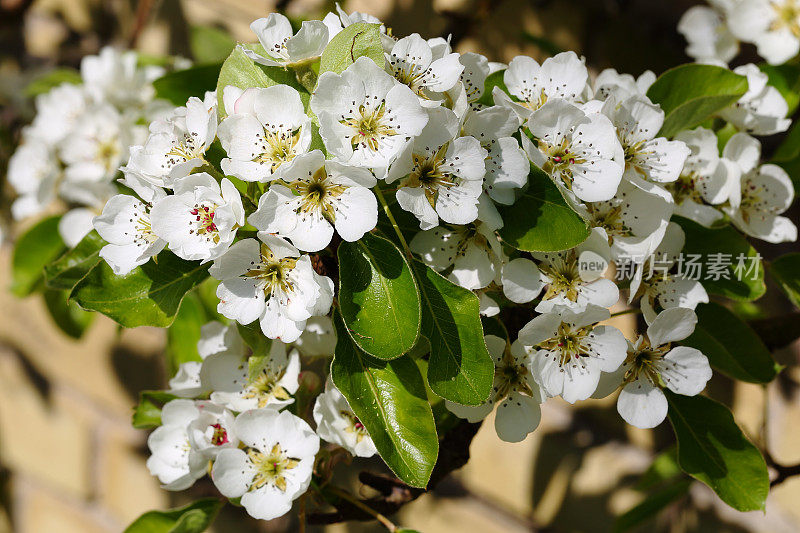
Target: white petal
642,405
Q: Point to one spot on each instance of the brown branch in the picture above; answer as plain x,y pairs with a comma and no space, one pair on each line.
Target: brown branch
143,9
394,494
784,472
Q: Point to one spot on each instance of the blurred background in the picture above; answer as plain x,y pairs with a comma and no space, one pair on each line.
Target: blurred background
71,462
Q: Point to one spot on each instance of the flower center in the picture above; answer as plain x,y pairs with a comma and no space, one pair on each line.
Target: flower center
564,277
204,222
644,361
560,159
270,467
355,425
143,231
219,436
318,194
108,154
264,387
276,147
686,188
272,272
182,150
370,126
787,15
609,217
569,344
429,174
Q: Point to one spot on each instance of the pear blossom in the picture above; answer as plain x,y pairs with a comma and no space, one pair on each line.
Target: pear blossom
522,280
772,25
228,375
33,171
75,224
274,468
762,109
647,156
115,76
270,281
515,393
472,253
766,192
579,151
315,197
563,76
653,364
337,423
634,221
573,277
507,165
126,225
415,63
176,464
658,283
366,116
440,172
318,339
266,129
568,351
284,48
57,112
212,431
708,37
200,220
707,180
176,144
622,86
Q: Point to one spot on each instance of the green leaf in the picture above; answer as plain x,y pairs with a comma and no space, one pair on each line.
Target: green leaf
66,314
241,71
378,297
789,149
66,271
147,413
540,220
357,40
37,247
746,280
495,79
389,398
460,367
648,509
184,333
192,518
732,347
786,271
663,468
179,86
149,295
210,45
785,78
689,94
51,80
778,331
712,449
254,338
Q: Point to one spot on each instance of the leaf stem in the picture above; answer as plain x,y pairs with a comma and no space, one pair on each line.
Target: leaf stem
390,216
626,312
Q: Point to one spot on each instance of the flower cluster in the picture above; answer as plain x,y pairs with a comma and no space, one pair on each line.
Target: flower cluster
80,136
263,184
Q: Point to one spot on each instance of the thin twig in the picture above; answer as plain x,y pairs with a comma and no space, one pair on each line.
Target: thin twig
390,216
364,507
143,9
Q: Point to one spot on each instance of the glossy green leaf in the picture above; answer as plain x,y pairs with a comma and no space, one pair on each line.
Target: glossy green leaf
654,503
66,271
540,220
745,271
37,247
712,449
786,271
732,347
378,298
192,518
149,295
147,413
179,86
241,71
66,314
210,45
689,94
184,333
50,80
460,367
389,398
357,40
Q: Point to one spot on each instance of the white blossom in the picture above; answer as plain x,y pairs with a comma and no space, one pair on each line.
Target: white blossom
176,464
212,431
33,171
707,35
337,423
514,391
284,48
772,25
315,197
275,467
268,280
415,63
762,109
200,220
366,116
610,82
